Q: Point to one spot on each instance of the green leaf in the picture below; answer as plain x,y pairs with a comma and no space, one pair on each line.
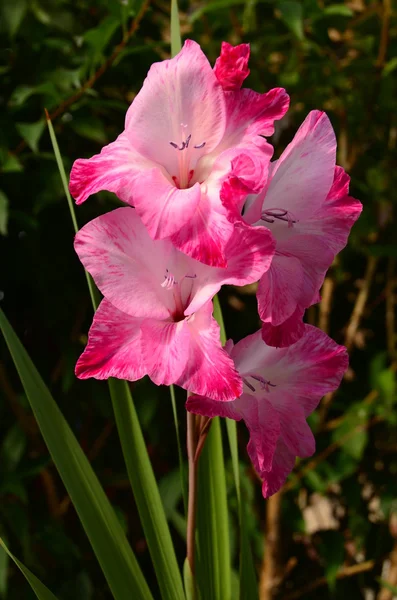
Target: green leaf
41,591
339,10
91,128
4,563
188,581
110,545
12,14
176,42
3,213
332,550
214,573
390,66
9,162
13,447
31,133
182,470
146,493
291,13
94,294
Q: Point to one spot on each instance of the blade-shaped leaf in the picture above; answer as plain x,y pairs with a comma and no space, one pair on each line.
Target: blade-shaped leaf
176,42
104,531
214,574
41,591
146,492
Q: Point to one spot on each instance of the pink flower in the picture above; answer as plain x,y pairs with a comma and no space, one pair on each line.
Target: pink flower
156,318
182,133
231,68
307,207
282,386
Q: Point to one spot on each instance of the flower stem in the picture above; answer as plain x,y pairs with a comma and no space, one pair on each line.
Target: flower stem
191,510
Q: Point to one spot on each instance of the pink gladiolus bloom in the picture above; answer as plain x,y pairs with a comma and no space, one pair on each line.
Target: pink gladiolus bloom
184,137
156,317
282,386
307,207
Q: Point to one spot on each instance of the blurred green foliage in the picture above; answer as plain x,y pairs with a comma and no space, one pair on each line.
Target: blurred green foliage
337,511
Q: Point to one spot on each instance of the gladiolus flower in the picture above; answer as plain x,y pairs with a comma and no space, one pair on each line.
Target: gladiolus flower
282,386
306,205
156,318
184,135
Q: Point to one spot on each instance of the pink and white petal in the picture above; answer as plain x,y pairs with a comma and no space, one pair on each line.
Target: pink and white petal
251,115
165,349
287,333
204,237
312,367
179,97
294,429
209,371
283,464
114,170
303,175
113,348
231,67
164,208
280,289
249,253
335,218
126,264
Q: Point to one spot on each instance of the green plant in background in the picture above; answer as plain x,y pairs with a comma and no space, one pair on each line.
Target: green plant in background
335,56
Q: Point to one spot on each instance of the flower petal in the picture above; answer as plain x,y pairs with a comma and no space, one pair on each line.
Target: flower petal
180,97
126,264
303,175
287,333
283,463
210,371
249,254
113,348
114,170
231,67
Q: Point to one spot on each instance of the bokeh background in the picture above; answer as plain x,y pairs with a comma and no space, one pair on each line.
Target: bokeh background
332,531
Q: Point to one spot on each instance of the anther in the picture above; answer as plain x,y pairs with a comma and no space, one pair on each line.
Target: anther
281,214
247,383
169,280
200,146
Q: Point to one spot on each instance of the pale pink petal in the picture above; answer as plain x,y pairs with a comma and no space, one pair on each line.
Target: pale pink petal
113,348
126,264
165,349
179,97
303,175
231,67
164,208
287,333
249,254
283,463
280,289
114,170
209,371
334,219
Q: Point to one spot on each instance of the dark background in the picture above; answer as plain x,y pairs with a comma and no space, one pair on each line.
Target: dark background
333,529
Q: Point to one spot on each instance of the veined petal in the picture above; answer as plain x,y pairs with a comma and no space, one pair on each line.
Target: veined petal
210,371
113,348
179,97
283,463
303,175
231,67
249,253
114,170
287,333
126,264
164,208
165,349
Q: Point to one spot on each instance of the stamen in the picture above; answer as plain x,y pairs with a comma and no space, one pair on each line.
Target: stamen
198,146
247,383
270,214
174,145
169,280
189,137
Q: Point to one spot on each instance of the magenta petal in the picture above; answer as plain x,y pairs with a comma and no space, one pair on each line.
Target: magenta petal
231,67
114,170
210,371
283,463
287,333
113,348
